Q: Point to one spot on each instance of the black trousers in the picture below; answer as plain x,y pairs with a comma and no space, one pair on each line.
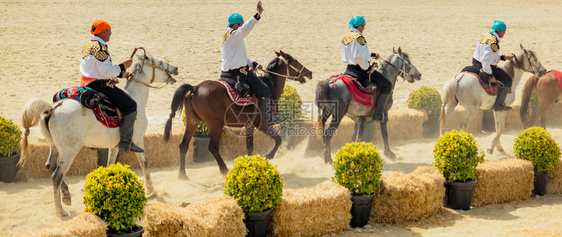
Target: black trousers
116,96
260,88
498,73
376,77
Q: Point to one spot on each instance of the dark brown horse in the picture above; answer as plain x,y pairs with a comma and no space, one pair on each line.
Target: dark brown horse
548,91
209,102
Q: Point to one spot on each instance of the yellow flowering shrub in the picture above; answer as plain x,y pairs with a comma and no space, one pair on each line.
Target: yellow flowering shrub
290,106
358,167
255,183
10,137
456,156
426,99
536,145
116,195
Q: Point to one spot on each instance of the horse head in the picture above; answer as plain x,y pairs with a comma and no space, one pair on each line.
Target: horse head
295,70
527,61
401,61
156,70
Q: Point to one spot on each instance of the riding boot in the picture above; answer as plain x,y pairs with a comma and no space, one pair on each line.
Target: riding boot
378,116
500,99
266,112
126,129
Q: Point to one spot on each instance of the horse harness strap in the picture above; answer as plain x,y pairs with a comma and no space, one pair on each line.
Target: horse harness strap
167,70
403,70
286,61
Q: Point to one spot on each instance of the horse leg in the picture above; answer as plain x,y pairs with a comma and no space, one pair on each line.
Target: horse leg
541,113
112,156
249,131
216,135
359,132
271,132
499,117
141,157
446,113
384,133
329,133
468,117
57,177
184,146
52,165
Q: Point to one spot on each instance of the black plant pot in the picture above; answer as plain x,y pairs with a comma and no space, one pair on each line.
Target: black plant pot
103,156
8,168
488,122
540,182
360,210
368,131
257,223
431,127
137,233
201,151
458,195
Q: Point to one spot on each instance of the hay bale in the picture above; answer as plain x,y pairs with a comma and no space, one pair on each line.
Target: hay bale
219,216
312,211
554,183
403,125
501,181
85,224
458,115
408,197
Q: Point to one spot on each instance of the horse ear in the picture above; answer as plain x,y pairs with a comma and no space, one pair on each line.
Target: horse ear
277,53
399,51
393,50
522,48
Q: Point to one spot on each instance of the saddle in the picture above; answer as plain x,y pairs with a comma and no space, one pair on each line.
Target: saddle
240,96
490,88
362,95
104,110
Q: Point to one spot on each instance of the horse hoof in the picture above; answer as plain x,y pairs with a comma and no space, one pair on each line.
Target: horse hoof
391,156
62,213
182,176
269,157
224,171
490,151
151,193
329,162
67,200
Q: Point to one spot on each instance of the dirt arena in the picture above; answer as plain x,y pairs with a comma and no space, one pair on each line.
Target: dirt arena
41,42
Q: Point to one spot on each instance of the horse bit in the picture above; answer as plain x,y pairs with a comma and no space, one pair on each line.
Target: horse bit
167,70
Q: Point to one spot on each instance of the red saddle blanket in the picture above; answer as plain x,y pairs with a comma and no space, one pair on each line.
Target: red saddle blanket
491,89
361,94
237,99
106,113
559,76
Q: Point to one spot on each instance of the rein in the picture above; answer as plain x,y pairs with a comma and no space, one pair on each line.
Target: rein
404,65
288,75
167,70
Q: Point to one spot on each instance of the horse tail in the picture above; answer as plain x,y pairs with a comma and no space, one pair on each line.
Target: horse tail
526,98
32,114
177,106
448,98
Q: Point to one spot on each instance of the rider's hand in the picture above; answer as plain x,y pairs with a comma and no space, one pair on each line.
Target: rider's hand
125,74
127,63
493,79
260,8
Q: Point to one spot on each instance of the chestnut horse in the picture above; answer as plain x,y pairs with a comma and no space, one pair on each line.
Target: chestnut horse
548,91
209,102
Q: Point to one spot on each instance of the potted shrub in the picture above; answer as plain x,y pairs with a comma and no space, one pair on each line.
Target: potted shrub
10,137
456,157
536,145
428,100
358,167
257,186
290,108
116,195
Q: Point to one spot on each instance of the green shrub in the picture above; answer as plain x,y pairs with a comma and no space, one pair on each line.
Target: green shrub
426,99
290,106
116,195
10,137
202,129
358,167
456,156
254,183
536,145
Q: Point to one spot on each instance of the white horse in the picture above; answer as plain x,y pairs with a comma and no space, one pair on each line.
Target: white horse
466,90
68,126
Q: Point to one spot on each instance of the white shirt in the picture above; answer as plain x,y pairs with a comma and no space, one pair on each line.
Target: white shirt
486,56
91,67
356,54
233,49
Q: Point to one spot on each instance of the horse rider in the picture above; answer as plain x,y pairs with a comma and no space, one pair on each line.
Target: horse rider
98,73
486,58
355,52
235,62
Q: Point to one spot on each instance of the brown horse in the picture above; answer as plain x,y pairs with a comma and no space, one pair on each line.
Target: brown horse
548,91
209,102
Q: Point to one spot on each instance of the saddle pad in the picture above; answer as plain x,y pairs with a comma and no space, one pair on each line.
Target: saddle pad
106,113
491,89
238,100
361,95
559,76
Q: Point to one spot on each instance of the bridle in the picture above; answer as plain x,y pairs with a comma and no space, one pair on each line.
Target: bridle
154,67
289,66
406,68
535,69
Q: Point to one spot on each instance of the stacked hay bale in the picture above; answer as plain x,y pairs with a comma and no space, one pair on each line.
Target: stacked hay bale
220,216
501,181
408,197
85,224
554,183
475,125
312,211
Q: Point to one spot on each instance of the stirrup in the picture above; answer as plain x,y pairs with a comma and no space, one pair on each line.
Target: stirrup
123,146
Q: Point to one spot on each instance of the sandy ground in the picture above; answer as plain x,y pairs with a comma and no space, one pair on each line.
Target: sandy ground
40,47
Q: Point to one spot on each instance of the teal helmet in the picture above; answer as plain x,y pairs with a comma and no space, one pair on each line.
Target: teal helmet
235,19
356,21
498,26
